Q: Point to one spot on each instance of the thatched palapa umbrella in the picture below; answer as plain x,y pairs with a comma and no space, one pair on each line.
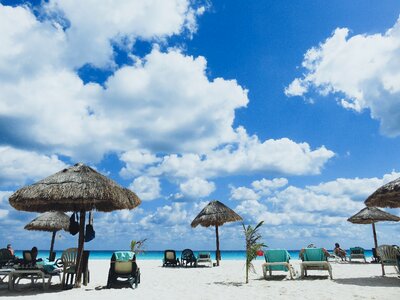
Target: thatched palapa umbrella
51,221
79,189
216,214
387,195
371,215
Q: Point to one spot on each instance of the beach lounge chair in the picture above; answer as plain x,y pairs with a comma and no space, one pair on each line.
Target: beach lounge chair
6,258
27,258
188,258
314,259
68,260
389,257
357,253
277,260
204,257
123,265
170,259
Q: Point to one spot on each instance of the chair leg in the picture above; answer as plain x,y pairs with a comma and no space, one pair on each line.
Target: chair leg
63,281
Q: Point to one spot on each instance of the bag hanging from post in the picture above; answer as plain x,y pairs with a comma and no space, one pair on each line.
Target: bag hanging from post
73,225
90,234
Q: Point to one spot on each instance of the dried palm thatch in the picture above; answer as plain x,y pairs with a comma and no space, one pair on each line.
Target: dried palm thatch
73,189
215,214
78,188
369,215
387,195
49,221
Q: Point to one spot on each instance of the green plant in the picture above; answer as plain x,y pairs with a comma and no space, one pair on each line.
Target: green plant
138,246
252,246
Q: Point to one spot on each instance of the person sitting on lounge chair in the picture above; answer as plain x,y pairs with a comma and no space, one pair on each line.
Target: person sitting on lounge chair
339,251
9,248
301,253
34,253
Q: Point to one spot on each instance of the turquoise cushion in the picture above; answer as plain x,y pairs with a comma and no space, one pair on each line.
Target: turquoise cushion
124,255
277,255
314,254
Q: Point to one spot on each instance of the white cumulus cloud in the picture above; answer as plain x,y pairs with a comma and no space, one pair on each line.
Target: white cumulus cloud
20,166
365,68
197,188
147,188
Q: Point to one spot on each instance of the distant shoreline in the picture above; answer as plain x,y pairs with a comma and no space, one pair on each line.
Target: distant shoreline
159,254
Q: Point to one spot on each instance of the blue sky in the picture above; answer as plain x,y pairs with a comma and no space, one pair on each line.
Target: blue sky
287,112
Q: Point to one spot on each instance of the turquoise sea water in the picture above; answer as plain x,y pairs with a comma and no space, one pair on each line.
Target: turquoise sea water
152,255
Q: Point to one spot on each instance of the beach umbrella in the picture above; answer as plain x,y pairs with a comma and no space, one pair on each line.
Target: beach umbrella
51,221
387,195
371,215
215,214
79,189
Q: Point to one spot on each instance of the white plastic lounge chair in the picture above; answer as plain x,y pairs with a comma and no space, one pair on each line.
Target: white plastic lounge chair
314,259
204,257
388,255
68,259
277,260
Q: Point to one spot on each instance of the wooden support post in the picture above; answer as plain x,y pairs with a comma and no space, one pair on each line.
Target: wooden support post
53,237
217,255
81,245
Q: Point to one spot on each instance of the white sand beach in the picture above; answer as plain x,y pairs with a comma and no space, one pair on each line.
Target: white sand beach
350,281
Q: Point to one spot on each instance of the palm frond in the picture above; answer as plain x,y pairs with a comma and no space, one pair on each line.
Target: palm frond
252,246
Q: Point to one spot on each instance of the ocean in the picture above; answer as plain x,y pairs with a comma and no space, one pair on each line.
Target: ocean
154,255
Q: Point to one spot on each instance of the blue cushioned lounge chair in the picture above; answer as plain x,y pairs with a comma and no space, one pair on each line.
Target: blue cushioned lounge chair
277,260
314,259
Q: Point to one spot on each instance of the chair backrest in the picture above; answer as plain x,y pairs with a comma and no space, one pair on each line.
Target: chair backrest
27,257
69,257
204,255
356,250
123,256
5,254
314,254
187,254
123,267
276,255
123,262
169,255
388,254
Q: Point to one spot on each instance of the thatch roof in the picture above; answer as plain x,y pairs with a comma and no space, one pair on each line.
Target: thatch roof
215,214
387,195
49,221
73,189
370,215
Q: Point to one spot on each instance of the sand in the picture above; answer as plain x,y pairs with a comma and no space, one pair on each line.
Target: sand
351,281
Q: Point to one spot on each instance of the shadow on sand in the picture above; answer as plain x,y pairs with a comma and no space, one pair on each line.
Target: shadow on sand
377,281
29,290
228,283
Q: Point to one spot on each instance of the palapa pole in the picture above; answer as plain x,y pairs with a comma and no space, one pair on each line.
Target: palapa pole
375,239
376,245
52,244
81,244
217,256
